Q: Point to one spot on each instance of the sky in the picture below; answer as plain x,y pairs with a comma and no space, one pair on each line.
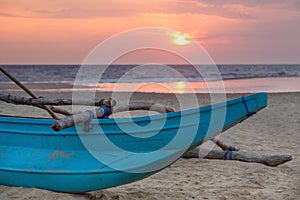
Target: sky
231,31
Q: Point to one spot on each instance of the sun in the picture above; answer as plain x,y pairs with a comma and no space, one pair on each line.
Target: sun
181,39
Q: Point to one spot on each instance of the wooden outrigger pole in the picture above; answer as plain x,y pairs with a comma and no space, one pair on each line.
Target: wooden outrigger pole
21,85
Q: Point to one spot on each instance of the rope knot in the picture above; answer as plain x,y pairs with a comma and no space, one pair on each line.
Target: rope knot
107,105
87,125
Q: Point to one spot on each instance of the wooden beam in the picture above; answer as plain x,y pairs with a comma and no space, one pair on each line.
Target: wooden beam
27,91
269,160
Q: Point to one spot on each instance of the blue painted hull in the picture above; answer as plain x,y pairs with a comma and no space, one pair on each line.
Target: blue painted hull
32,155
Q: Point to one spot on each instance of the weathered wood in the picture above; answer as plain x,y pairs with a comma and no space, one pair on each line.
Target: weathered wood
75,119
269,160
85,116
27,101
40,102
60,111
27,91
143,106
59,102
43,101
223,146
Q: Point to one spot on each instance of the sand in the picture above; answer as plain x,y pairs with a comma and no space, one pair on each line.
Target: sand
275,130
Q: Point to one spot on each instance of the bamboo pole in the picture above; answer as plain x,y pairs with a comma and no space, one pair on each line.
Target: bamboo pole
27,91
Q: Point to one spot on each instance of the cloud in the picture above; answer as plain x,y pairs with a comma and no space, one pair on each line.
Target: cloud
212,8
94,9
69,13
233,9
248,3
78,9
76,12
3,14
9,15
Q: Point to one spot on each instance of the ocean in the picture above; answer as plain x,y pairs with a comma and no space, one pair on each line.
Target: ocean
67,73
237,78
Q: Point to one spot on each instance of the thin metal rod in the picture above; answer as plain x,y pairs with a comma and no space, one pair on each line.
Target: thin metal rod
27,91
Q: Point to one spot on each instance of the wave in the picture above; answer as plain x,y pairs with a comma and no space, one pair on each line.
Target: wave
150,73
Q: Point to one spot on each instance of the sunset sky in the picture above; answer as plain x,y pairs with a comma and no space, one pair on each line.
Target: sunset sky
232,31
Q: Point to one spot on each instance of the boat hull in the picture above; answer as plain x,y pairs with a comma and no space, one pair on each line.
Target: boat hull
33,155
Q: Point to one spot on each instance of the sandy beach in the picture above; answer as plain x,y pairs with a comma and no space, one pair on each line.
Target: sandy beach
275,130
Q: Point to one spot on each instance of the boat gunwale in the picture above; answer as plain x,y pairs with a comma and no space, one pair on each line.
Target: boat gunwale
37,120
114,121
106,133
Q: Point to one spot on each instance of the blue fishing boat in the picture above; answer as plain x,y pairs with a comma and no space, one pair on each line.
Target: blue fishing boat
114,151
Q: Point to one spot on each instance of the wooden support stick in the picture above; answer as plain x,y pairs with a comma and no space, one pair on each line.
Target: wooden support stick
39,102
43,101
143,106
269,160
223,146
26,101
99,112
74,119
27,91
58,102
60,111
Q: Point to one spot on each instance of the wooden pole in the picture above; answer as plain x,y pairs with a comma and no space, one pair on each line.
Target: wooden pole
108,102
269,160
142,106
70,121
54,102
27,91
223,146
31,102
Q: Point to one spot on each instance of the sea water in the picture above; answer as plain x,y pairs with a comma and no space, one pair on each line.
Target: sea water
156,78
